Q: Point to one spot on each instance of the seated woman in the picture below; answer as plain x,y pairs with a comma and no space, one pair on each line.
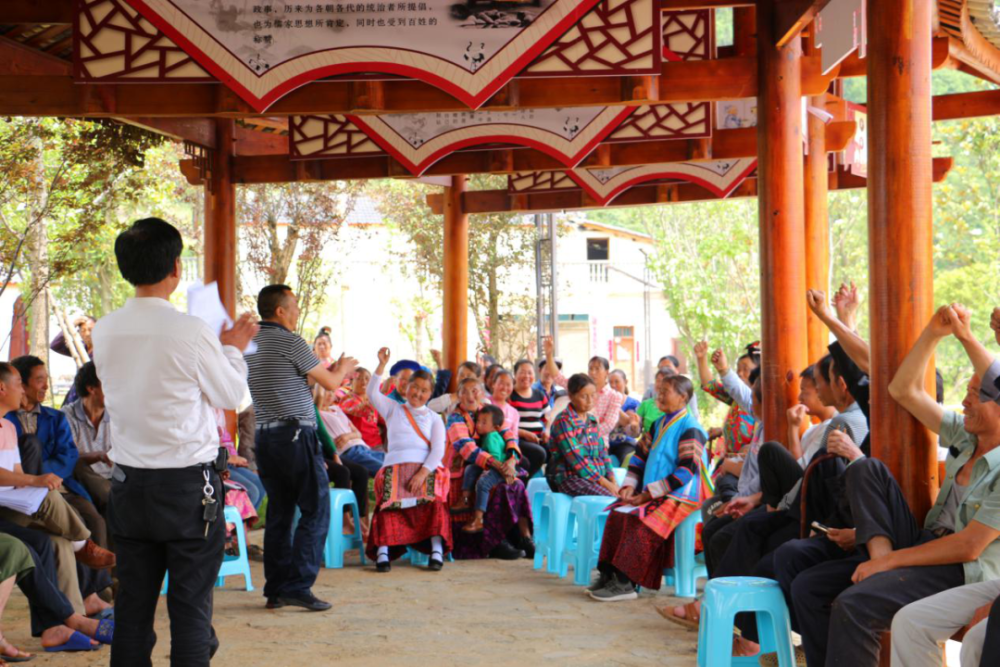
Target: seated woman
579,464
343,474
664,485
411,489
531,405
620,443
359,410
508,516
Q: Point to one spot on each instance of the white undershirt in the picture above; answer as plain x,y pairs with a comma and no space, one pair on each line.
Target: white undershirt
403,444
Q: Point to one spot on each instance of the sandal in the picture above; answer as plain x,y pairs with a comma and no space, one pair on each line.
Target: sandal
77,642
19,655
690,620
105,631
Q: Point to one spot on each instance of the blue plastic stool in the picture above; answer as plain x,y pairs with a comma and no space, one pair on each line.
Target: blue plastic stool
587,516
688,567
231,565
538,488
727,596
419,558
555,512
337,544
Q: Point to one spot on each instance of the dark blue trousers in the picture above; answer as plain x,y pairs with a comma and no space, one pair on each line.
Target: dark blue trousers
290,464
49,607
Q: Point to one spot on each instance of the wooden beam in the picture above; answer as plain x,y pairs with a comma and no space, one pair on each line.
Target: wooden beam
792,16
817,224
18,60
455,326
36,11
941,58
900,233
967,105
782,222
503,201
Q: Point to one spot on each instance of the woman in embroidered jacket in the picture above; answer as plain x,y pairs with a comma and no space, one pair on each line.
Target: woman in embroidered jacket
509,506
579,464
411,489
664,485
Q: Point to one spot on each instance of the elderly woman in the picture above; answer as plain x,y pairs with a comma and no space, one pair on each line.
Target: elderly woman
579,464
607,402
411,489
508,516
621,443
663,486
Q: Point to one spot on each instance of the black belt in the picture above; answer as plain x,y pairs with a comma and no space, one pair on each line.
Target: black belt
281,423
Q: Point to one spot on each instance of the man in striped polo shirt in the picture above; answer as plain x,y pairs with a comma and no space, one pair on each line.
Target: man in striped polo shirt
289,457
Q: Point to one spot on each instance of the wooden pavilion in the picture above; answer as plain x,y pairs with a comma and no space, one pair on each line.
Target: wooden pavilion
651,108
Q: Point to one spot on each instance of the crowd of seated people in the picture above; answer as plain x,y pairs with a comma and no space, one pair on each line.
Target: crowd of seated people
817,512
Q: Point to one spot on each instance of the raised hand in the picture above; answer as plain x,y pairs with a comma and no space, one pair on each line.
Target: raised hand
241,333
548,347
941,323
701,349
346,364
816,300
436,356
383,355
961,322
720,362
846,302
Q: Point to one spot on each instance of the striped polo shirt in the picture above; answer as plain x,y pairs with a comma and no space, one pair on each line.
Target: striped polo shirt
277,379
530,410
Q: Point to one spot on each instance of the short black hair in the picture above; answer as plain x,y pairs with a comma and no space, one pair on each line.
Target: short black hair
421,374
24,365
503,372
823,366
147,251
604,362
682,386
522,362
671,358
664,373
6,371
494,412
270,299
754,374
752,353
757,385
577,382
86,379
619,371
542,362
809,374
466,381
472,366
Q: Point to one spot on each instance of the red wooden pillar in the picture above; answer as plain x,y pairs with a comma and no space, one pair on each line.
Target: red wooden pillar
900,231
744,31
781,212
817,225
220,215
454,332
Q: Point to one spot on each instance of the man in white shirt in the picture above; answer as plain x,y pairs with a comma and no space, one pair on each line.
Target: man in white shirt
162,372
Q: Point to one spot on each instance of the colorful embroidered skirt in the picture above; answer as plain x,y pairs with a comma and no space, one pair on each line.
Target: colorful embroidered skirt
508,504
640,544
404,519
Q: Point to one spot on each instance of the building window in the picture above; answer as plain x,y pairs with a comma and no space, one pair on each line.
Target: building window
597,250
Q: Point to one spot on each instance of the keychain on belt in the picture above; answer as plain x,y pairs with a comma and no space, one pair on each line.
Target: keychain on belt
211,505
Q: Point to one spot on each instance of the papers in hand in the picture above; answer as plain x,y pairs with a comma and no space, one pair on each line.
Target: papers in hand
205,304
23,499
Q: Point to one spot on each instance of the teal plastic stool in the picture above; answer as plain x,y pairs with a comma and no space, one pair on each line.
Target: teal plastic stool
538,488
587,517
555,512
688,567
620,474
231,565
419,558
727,596
239,564
337,544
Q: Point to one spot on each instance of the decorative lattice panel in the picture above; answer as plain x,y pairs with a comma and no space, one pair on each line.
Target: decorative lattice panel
613,38
540,181
688,35
113,41
328,136
666,121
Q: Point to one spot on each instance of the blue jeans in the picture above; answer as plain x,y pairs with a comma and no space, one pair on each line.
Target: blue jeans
291,467
249,480
366,457
483,482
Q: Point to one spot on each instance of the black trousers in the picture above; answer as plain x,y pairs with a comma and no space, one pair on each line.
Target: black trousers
991,644
779,472
348,475
534,456
290,464
48,606
622,449
833,612
156,519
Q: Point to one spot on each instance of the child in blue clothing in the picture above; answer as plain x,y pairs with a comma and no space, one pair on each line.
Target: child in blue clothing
489,420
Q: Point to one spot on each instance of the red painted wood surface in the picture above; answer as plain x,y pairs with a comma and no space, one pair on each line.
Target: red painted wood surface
455,328
220,216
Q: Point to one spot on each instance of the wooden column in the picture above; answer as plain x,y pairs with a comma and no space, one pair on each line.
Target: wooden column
781,212
745,31
817,226
456,276
220,215
900,229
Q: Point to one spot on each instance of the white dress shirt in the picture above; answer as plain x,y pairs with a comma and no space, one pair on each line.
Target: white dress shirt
403,444
162,373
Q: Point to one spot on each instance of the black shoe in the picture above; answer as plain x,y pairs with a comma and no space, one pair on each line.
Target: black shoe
435,565
306,601
506,551
383,566
274,603
528,547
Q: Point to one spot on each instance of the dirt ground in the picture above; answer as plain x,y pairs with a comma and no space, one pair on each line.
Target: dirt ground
471,613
